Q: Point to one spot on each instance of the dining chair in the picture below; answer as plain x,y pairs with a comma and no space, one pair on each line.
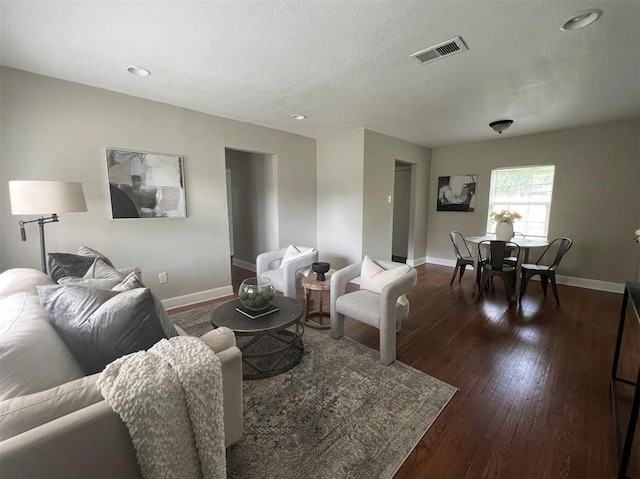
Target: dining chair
464,257
509,257
559,246
491,254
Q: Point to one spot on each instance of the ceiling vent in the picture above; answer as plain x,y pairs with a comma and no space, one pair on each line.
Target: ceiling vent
444,49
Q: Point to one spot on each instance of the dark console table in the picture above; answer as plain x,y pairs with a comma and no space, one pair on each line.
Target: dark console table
625,442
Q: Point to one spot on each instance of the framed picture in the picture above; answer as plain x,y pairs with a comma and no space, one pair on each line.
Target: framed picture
457,193
145,185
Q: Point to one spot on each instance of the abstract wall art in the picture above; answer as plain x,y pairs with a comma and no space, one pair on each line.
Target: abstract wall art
145,185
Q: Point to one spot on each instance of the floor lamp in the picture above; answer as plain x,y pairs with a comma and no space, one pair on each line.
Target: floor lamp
43,198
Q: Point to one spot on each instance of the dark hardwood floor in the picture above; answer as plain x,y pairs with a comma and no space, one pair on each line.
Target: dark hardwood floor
534,398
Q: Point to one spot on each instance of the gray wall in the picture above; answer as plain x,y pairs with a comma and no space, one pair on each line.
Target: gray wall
340,170
58,130
380,155
356,173
596,199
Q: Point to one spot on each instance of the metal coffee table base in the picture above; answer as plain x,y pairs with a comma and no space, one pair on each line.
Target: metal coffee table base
266,354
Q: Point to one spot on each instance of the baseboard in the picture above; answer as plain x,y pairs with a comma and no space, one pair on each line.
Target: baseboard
441,261
199,297
590,284
244,264
417,261
560,279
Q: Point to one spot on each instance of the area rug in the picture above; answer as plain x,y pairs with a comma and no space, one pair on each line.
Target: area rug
338,414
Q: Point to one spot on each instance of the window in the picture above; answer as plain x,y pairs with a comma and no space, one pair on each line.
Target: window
526,190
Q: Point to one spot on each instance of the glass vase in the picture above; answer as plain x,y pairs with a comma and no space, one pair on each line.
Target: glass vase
256,293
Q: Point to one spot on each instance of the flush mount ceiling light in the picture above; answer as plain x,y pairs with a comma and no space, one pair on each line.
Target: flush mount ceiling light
581,20
141,72
500,125
298,116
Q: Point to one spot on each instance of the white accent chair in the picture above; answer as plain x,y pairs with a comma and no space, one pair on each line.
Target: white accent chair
381,310
286,276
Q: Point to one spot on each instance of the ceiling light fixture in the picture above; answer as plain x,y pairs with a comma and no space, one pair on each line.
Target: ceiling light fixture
141,72
581,20
298,116
500,125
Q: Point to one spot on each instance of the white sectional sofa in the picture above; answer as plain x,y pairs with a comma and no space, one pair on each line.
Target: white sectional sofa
54,423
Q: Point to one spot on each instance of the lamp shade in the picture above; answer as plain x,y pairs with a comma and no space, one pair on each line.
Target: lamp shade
46,197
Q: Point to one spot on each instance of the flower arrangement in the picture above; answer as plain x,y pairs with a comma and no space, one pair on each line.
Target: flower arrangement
505,216
637,238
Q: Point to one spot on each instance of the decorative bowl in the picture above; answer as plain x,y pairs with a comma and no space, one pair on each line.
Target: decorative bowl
320,269
256,293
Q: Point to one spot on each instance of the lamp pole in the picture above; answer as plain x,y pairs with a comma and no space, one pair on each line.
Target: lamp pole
41,222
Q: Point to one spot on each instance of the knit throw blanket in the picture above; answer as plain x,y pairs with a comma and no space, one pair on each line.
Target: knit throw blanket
170,398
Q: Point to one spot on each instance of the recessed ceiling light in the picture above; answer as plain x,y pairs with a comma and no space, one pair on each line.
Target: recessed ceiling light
298,116
141,72
582,19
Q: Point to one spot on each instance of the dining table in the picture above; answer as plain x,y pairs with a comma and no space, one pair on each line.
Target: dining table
526,244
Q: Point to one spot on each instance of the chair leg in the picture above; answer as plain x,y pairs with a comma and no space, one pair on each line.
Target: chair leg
337,325
544,281
462,268
484,281
508,287
455,271
523,283
552,276
388,346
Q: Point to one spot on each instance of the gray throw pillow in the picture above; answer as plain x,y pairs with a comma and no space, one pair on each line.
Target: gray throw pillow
86,251
90,282
132,281
100,325
67,264
101,270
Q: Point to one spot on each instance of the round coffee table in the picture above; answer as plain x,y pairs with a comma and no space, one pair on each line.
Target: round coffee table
268,348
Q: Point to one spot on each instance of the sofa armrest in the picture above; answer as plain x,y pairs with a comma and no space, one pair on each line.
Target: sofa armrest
91,442
219,339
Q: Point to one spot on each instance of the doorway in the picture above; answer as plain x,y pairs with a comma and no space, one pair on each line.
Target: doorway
401,212
252,202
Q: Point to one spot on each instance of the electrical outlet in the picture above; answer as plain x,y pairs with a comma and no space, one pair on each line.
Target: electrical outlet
162,277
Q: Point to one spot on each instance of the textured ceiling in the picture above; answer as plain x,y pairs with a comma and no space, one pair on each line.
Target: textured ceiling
345,64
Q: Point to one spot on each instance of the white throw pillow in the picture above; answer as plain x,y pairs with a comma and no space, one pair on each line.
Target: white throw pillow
292,253
374,277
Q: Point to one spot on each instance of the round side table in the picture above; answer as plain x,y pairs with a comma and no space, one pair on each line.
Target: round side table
310,284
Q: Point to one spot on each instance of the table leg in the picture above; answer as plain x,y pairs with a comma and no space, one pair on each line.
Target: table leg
307,303
475,252
524,254
319,314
